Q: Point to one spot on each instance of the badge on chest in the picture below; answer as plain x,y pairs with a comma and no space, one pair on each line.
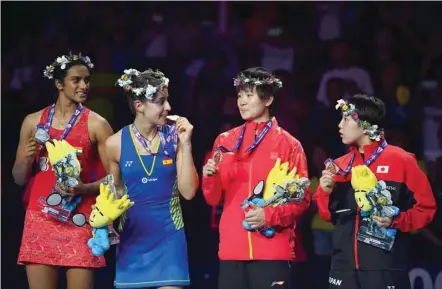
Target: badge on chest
167,161
146,180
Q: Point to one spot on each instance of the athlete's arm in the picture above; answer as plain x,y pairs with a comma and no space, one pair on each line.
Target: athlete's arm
286,215
100,130
186,172
187,177
26,151
113,152
211,185
425,207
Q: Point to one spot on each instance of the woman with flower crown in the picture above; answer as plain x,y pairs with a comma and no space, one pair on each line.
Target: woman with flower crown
371,235
49,243
152,162
241,158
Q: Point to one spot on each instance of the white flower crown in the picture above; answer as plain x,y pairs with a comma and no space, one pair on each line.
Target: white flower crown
125,81
63,60
241,79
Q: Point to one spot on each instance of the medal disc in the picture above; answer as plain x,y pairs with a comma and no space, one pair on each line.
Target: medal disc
217,156
41,135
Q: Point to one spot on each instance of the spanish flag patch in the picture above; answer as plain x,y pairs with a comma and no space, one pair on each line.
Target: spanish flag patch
167,162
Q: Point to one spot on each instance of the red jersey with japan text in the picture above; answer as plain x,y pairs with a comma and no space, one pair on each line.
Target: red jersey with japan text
410,192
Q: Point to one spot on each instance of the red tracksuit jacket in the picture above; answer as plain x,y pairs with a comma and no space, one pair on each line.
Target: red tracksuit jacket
237,175
410,192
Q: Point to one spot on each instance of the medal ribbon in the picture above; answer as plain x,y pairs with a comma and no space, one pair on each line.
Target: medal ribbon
168,135
70,124
257,141
165,141
367,163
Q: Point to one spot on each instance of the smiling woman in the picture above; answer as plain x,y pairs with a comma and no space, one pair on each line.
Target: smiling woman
49,243
152,162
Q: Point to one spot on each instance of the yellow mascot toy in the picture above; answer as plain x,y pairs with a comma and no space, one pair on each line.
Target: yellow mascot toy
362,181
106,210
373,199
280,187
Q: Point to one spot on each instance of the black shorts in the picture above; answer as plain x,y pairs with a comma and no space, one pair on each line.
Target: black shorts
260,274
362,279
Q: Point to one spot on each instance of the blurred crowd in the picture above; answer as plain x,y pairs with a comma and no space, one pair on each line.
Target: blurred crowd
322,51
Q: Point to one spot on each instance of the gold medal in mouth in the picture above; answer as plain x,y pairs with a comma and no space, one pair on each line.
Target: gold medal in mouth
173,117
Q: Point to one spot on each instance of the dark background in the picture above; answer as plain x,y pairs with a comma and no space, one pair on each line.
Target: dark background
396,44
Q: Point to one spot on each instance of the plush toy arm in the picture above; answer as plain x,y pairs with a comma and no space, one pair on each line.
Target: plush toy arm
99,243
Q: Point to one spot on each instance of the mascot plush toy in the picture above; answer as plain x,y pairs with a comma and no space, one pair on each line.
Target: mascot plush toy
279,188
373,199
63,159
106,210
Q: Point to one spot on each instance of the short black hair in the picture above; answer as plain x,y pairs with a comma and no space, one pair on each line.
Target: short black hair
263,90
370,109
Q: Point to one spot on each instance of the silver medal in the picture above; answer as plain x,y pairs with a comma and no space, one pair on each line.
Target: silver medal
41,135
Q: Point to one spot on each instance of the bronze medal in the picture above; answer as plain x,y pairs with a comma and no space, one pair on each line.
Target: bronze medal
217,156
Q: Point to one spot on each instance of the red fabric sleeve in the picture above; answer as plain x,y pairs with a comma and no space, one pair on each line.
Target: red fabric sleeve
211,186
423,211
286,215
321,198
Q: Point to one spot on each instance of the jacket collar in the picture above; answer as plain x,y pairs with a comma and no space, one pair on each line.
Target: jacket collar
260,125
368,149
